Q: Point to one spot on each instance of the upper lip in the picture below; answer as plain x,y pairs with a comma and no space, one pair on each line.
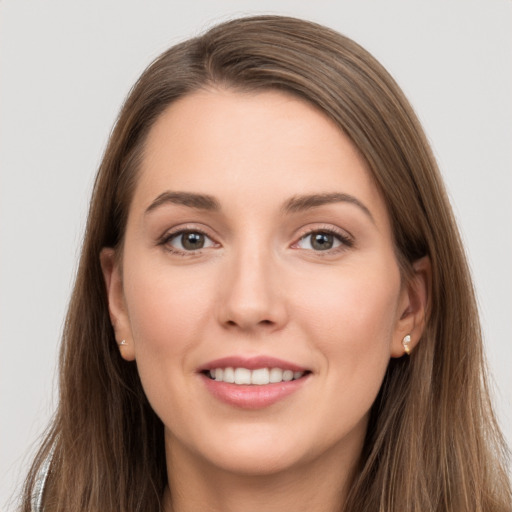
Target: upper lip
252,363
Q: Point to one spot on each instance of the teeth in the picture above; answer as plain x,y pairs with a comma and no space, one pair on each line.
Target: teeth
242,376
229,375
276,375
287,375
258,377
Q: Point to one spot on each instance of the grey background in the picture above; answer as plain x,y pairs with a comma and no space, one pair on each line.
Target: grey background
65,68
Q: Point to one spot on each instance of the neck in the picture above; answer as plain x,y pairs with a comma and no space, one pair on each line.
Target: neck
320,484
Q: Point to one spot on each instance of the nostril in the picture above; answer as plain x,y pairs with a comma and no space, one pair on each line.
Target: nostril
261,322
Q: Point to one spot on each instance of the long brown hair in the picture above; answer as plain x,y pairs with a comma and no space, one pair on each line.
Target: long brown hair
432,443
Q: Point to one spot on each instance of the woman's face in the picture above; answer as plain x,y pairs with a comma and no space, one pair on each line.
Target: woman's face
257,249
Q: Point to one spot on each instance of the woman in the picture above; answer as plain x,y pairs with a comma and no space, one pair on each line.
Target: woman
273,307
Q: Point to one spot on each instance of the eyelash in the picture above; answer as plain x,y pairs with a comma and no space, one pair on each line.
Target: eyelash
168,237
345,240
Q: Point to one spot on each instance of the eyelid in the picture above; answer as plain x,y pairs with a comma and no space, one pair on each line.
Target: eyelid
178,230
346,239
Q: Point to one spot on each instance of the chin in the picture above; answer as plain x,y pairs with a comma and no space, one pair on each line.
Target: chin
256,464
249,452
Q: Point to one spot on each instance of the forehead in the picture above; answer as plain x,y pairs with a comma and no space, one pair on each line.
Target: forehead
249,148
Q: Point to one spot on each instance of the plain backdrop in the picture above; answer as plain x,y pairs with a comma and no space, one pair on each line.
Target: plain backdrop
65,68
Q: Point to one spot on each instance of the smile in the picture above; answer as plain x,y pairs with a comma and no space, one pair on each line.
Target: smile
253,382
257,377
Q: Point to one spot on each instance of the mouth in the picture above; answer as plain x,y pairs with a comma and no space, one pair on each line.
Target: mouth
256,377
253,383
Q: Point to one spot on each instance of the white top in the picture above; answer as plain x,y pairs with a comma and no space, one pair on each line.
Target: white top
37,496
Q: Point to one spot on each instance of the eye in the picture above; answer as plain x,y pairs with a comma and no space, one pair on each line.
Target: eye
323,241
189,240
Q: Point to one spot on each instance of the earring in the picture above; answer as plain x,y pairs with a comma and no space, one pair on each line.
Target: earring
405,343
120,343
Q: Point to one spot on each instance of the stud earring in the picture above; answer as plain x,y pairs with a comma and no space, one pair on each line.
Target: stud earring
405,343
120,343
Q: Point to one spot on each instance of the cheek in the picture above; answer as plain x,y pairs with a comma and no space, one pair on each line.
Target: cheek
167,312
351,324
351,317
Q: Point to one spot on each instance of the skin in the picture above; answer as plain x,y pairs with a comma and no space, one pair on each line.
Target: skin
259,286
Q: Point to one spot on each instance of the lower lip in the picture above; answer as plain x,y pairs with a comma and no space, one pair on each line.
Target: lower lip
252,396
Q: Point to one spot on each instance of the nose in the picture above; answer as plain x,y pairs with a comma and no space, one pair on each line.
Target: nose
253,297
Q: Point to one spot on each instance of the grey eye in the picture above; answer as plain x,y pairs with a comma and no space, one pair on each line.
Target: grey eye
319,241
322,241
190,241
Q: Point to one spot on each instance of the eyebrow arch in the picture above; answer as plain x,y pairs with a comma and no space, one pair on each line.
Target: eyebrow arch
306,202
190,199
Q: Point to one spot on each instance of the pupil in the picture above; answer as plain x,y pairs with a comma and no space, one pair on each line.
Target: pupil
322,241
192,241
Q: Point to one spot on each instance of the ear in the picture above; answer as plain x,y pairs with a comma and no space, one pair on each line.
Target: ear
413,307
116,303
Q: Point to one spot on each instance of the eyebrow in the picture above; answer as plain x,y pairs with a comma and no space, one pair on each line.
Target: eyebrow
307,202
192,200
293,205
